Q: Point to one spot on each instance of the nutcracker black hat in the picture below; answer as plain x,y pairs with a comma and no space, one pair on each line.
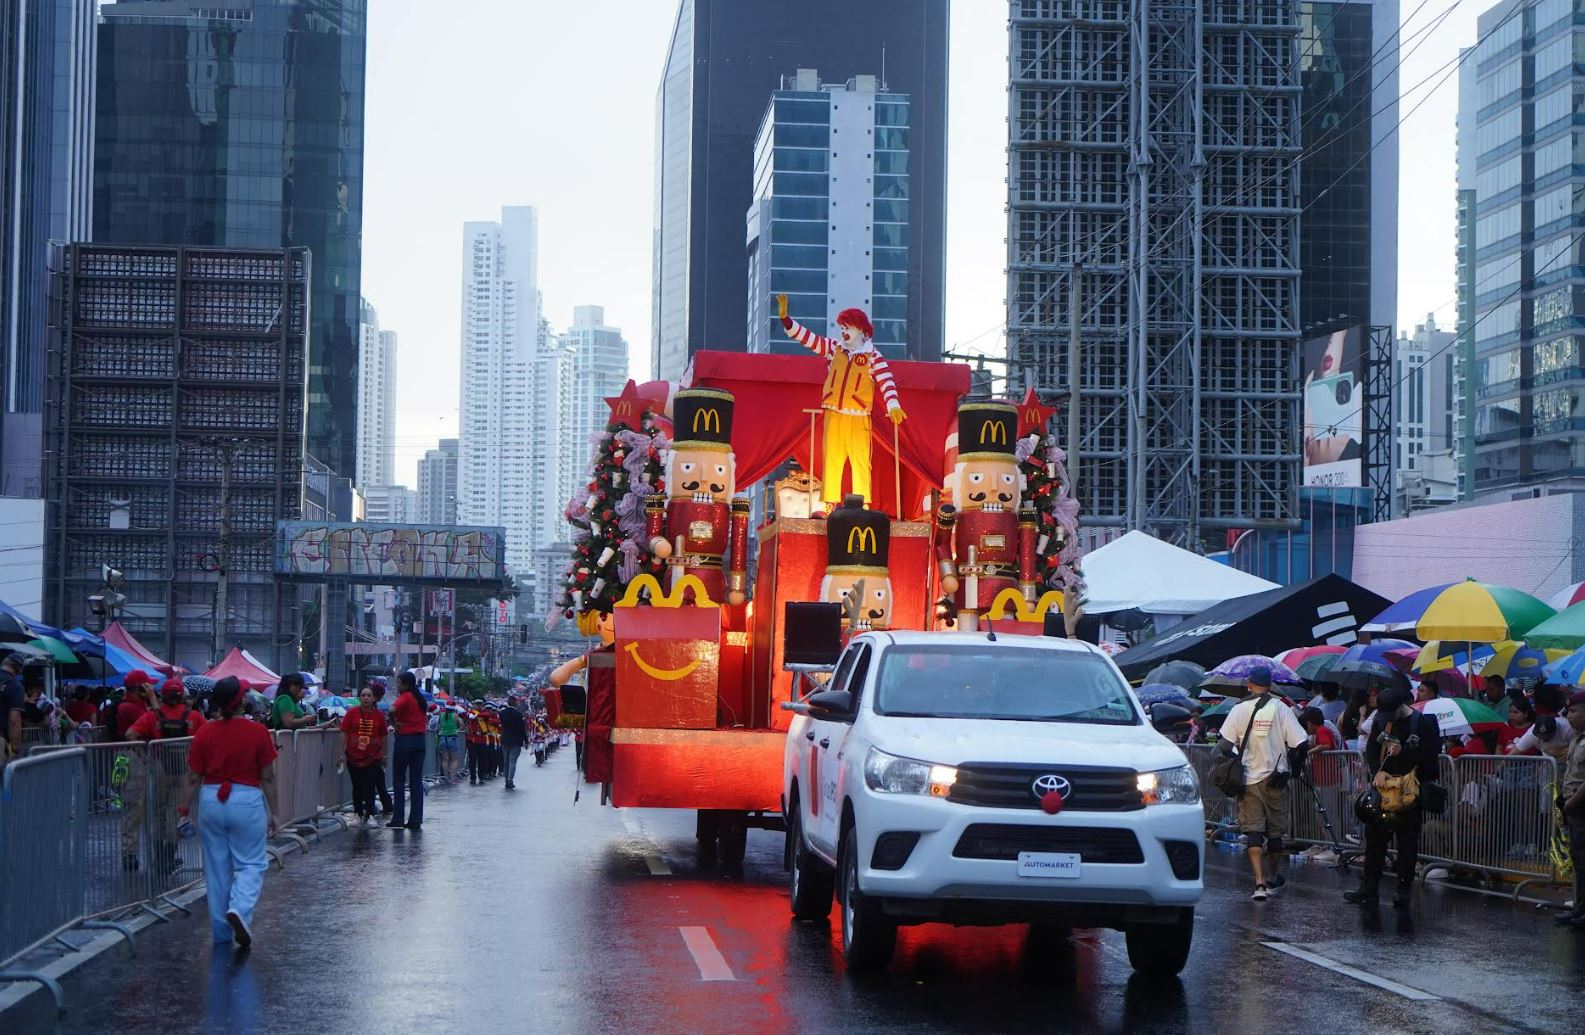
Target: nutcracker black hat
987,430
857,539
702,419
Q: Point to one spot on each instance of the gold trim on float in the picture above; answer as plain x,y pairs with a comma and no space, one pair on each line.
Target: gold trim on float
815,526
736,639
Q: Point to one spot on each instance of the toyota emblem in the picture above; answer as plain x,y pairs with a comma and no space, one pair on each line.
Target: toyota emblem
1050,782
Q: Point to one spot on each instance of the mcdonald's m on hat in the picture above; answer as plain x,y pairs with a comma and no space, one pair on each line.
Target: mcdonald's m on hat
987,428
857,539
702,419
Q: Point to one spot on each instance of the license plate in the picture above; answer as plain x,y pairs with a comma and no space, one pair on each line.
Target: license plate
1049,864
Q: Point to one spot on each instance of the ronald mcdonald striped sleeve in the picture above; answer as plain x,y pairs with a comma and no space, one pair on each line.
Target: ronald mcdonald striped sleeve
885,381
819,344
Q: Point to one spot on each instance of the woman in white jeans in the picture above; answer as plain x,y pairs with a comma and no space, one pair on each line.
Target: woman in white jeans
232,763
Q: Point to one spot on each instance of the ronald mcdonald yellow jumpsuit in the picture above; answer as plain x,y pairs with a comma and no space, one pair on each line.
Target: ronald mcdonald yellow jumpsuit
856,368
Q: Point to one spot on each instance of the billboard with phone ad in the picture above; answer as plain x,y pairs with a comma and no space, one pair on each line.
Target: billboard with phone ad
1334,410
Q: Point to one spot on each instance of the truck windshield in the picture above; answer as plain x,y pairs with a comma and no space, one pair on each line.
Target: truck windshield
1001,682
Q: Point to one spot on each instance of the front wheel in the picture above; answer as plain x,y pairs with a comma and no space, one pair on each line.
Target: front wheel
869,936
1161,950
809,883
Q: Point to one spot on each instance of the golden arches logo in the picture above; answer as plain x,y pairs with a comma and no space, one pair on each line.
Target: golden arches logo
862,536
658,597
623,408
993,432
1049,601
709,419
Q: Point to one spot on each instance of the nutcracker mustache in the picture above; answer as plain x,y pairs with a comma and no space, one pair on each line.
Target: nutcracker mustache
979,497
694,486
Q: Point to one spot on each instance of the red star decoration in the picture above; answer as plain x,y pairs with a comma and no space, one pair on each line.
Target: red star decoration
1032,416
627,409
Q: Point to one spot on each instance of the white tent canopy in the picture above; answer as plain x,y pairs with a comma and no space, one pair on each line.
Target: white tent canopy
1141,572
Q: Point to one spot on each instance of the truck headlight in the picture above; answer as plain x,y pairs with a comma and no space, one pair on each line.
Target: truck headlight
1177,786
890,774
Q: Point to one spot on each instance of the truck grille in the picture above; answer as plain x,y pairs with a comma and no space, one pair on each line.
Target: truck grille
1006,840
1094,789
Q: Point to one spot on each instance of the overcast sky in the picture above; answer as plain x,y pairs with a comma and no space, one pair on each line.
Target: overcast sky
484,103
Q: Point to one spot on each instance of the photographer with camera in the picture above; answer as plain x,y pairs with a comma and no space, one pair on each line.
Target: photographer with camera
1401,751
1271,745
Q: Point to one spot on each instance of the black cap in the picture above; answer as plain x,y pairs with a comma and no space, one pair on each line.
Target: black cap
702,418
987,429
857,539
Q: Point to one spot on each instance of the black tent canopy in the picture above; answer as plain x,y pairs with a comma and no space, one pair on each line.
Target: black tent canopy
1328,609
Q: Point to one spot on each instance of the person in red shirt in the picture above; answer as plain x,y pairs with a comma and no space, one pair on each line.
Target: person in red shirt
81,709
172,719
135,702
474,735
231,769
409,713
363,749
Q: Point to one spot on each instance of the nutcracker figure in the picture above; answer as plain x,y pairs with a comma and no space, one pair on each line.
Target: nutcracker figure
854,369
986,543
857,544
693,525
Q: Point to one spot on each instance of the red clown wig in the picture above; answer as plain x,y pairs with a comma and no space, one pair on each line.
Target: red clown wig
856,319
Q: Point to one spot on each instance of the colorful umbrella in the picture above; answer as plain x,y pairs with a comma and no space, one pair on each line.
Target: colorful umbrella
1295,657
1519,663
1567,671
1565,630
1474,612
1460,716
1232,674
57,650
1318,669
1441,656
1567,597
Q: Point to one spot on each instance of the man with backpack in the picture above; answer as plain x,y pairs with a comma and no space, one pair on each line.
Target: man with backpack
1402,747
171,720
1271,745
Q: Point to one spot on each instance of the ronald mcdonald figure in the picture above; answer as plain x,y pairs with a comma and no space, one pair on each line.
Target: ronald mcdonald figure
855,368
857,543
987,541
692,525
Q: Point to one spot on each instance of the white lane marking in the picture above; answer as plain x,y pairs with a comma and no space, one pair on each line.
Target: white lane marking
632,825
712,965
1354,972
657,865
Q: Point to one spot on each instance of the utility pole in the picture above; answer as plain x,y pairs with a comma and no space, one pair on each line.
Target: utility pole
222,603
1072,443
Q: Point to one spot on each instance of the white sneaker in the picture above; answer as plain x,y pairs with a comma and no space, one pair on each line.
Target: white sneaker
1439,873
1261,893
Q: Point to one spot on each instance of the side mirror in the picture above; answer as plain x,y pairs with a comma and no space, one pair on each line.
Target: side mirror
830,704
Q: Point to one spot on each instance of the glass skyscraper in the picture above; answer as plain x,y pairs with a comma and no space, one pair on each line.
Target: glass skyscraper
1528,285
829,223
240,124
725,59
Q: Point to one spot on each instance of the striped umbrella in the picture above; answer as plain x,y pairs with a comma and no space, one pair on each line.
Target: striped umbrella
1567,597
1567,671
1565,630
1442,656
1470,611
1518,663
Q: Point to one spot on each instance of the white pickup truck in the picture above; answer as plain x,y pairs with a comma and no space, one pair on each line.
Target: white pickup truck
967,778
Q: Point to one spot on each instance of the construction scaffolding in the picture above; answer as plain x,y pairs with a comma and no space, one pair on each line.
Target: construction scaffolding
175,424
1153,155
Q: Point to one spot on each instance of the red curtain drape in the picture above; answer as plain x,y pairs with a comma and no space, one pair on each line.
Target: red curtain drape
769,423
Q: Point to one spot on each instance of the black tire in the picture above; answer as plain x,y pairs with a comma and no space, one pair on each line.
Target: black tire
810,883
1161,950
869,936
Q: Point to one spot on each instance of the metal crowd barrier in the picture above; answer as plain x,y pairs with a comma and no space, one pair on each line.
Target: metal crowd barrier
42,840
1499,819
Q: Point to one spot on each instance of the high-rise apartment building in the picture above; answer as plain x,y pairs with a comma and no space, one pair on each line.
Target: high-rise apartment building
240,124
511,457
437,484
1348,173
175,421
390,504
597,367
1188,294
724,60
829,223
1422,378
1528,286
376,401
46,194
1464,349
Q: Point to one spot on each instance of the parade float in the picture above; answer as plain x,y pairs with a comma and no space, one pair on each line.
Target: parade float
881,490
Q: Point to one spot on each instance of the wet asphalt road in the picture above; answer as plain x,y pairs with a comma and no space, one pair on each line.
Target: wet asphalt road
516,911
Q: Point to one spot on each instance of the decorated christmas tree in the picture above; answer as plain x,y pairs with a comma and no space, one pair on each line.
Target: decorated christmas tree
607,514
1044,466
